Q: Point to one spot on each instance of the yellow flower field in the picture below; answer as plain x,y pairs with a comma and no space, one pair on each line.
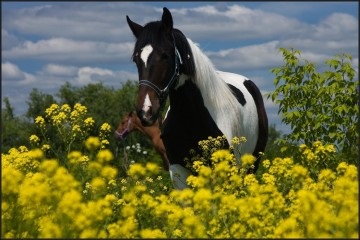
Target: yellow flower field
85,197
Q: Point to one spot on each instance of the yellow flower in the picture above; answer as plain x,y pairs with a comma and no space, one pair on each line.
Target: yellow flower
59,118
330,148
152,168
34,190
299,172
269,179
74,115
36,154
152,233
104,156
23,149
76,128
53,109
40,121
105,127
235,141
65,108
98,184
104,143
80,108
10,180
89,122
49,167
202,198
266,163
247,159
34,139
45,147
342,167
177,233
48,229
92,143
317,144
70,204
109,172
221,155
302,147
136,170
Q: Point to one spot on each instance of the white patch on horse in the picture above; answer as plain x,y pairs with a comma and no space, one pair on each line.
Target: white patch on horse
231,118
145,53
147,103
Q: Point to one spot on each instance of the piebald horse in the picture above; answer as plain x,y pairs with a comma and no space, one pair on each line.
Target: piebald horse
130,122
204,102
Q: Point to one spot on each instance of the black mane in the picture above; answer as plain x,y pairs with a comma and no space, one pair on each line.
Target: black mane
154,34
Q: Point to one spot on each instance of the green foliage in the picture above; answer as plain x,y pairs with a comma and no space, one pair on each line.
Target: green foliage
37,103
104,104
14,130
318,106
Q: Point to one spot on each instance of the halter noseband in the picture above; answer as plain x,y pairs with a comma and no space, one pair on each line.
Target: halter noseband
162,93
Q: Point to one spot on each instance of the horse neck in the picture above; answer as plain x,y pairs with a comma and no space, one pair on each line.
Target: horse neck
213,89
151,132
137,124
215,93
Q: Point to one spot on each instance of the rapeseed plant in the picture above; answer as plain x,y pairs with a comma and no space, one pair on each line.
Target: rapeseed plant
83,195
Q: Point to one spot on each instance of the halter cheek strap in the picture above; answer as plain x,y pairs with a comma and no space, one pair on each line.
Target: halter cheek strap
162,93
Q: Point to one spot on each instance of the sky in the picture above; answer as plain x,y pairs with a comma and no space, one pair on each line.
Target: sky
46,44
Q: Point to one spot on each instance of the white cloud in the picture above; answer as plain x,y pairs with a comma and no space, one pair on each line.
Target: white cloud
59,70
8,40
235,22
86,74
250,57
336,26
10,71
71,51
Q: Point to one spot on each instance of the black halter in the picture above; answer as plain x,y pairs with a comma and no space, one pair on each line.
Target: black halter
162,93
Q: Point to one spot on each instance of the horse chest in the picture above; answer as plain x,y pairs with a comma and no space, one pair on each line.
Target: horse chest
187,122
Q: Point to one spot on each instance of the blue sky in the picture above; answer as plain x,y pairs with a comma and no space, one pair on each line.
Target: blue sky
45,44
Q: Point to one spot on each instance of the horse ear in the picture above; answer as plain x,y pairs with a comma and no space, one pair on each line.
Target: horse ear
167,20
135,28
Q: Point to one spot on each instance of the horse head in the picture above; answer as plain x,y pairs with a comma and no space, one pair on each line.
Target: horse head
126,126
159,64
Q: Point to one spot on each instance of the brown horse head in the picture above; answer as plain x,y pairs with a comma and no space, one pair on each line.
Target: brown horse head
126,126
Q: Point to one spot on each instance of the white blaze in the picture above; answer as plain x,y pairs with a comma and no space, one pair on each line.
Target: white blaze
145,53
147,103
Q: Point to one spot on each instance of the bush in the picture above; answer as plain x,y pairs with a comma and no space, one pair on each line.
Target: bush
319,106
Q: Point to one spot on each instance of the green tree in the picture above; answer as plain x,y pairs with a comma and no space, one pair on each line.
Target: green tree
105,104
37,103
272,146
14,130
318,106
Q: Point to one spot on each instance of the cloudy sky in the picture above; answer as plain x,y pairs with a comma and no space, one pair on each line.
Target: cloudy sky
46,44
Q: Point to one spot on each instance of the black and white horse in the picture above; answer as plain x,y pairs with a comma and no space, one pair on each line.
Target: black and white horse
203,101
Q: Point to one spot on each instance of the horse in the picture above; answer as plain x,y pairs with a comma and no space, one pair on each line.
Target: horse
203,100
130,122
